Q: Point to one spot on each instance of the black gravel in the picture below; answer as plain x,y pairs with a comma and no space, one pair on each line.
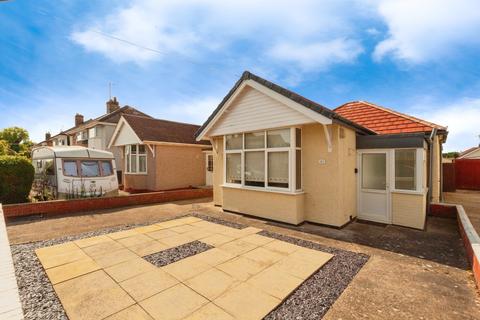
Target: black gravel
165,257
318,293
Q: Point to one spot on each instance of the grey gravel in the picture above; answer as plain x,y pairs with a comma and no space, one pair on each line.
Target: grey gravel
165,257
220,221
318,293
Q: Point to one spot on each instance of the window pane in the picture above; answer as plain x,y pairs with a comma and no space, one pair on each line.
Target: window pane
128,163
50,168
374,171
234,141
90,169
133,166
92,132
142,164
210,163
278,169
107,168
133,149
255,140
405,169
233,168
141,149
70,168
278,138
255,168
298,137
298,169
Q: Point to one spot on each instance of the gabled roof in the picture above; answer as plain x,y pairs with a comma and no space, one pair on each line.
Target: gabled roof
157,130
309,104
112,117
467,152
382,120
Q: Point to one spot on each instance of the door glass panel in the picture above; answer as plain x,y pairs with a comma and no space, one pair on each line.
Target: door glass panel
374,171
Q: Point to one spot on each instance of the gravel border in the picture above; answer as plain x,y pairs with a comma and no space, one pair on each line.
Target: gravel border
220,221
165,257
309,301
318,293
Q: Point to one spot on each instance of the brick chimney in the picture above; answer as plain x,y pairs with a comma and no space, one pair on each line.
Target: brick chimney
48,135
78,119
112,105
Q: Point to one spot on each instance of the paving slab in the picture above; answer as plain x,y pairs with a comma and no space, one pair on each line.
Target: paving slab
129,269
275,282
209,311
112,258
186,268
71,270
148,284
246,302
212,283
176,303
134,312
92,296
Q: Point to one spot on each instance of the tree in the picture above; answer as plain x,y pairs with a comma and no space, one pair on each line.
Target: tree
5,148
17,140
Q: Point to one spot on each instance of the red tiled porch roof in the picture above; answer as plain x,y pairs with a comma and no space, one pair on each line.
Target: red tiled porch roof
383,120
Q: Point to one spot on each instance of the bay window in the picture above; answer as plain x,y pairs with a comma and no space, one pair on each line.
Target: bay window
136,158
268,159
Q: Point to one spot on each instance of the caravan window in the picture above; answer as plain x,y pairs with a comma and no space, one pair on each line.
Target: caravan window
90,169
70,168
107,168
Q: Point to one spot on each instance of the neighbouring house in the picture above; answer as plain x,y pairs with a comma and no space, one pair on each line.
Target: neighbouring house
160,154
280,156
94,133
471,153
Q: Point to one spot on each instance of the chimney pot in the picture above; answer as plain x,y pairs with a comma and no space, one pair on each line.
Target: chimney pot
48,135
78,119
112,105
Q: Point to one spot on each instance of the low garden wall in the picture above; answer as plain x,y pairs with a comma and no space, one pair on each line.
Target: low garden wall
59,207
470,237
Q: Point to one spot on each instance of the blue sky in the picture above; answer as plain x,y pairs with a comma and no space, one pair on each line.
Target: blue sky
418,57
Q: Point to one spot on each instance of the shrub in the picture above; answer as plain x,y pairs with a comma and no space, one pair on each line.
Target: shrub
16,177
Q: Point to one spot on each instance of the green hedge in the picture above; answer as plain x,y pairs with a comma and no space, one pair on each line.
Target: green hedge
16,178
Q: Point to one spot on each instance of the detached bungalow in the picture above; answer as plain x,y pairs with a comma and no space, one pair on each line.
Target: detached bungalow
280,156
159,154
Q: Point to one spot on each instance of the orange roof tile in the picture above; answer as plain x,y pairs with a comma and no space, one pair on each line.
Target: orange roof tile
383,120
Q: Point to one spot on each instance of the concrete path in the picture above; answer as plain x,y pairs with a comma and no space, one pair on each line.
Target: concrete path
392,285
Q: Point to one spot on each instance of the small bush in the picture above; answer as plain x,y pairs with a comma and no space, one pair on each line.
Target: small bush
16,177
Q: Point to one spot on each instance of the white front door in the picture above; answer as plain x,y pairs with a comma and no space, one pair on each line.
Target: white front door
209,169
373,188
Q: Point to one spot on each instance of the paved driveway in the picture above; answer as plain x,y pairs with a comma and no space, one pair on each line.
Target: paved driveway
395,283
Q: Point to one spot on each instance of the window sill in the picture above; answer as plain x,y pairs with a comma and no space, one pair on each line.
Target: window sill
286,192
413,192
136,173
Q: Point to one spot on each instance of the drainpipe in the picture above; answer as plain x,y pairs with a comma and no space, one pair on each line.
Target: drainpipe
430,168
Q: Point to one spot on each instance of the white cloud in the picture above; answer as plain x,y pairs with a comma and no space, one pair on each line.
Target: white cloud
462,118
194,27
193,111
317,56
421,30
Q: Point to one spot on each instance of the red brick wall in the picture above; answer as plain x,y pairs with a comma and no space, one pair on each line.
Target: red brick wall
59,207
443,211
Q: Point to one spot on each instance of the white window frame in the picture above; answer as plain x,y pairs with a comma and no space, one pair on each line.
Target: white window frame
94,130
291,162
81,136
137,162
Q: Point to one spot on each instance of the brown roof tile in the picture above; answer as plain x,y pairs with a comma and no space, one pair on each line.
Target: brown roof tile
150,129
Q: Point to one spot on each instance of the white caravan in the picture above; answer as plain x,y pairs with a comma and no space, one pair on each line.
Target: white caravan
74,172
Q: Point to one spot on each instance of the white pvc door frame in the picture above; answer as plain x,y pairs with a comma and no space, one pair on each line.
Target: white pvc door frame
387,192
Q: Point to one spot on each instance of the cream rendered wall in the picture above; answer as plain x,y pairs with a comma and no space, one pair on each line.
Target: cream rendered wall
270,205
217,144
179,167
409,209
437,162
473,155
329,177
